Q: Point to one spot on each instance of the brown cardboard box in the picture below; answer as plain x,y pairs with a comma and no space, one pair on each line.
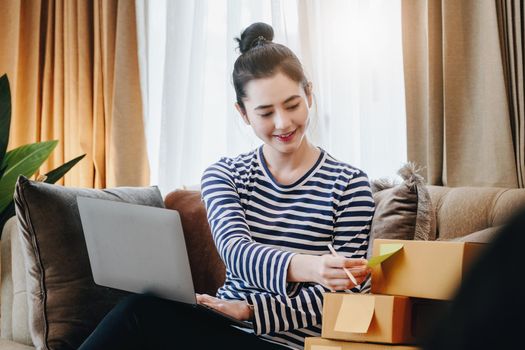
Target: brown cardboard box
316,343
424,269
367,317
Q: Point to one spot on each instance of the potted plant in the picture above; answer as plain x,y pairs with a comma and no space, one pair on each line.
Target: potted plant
24,160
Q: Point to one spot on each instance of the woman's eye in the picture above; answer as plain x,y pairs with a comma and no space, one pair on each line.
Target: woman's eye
266,114
293,107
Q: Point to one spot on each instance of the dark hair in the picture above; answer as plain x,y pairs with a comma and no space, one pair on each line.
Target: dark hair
262,58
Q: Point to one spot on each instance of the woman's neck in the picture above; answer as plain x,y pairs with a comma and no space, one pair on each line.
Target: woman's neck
304,157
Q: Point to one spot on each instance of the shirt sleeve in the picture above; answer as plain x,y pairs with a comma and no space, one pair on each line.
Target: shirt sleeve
257,264
354,218
351,232
277,313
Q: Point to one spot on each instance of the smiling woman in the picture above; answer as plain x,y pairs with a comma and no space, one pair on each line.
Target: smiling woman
274,211
277,109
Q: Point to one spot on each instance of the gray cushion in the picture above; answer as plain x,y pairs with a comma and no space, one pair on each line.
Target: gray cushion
403,211
64,303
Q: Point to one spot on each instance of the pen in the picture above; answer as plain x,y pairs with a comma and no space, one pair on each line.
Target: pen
334,253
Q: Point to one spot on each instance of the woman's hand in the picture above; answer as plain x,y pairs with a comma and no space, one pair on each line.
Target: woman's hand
238,309
327,270
330,272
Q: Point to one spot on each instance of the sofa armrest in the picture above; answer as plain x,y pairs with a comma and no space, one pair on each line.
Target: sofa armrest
6,281
14,309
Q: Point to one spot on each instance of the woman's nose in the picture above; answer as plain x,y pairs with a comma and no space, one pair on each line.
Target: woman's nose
281,120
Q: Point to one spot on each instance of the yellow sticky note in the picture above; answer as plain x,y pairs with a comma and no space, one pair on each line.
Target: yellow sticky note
386,250
355,314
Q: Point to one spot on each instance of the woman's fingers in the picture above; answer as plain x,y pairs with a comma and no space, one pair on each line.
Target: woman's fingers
351,263
337,279
360,272
340,261
343,284
201,298
340,273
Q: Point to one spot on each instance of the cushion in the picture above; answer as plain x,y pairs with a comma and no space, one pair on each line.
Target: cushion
403,211
64,303
207,268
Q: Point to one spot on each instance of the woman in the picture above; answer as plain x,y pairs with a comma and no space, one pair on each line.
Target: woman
273,212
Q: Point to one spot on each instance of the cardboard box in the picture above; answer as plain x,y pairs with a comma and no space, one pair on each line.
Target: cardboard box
424,269
317,343
367,318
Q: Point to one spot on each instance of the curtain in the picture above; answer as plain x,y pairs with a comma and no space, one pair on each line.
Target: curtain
458,125
351,50
74,77
511,19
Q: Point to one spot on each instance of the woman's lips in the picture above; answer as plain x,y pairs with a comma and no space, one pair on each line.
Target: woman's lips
286,137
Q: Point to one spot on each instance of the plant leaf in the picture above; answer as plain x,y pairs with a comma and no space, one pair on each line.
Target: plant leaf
5,117
55,174
24,160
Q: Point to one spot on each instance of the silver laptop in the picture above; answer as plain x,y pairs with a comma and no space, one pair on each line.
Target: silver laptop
139,249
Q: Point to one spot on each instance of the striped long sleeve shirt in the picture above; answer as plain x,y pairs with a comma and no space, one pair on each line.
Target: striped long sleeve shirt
258,225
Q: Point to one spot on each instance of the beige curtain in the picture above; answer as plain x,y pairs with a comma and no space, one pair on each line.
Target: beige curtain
458,124
74,76
511,21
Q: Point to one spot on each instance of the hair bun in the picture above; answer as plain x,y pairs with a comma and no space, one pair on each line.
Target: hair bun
253,35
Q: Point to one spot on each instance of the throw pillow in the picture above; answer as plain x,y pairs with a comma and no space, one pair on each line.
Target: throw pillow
64,303
403,211
207,268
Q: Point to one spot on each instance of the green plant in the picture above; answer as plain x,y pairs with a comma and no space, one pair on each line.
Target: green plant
24,160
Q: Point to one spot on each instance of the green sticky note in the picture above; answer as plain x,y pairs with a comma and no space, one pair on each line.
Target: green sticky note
386,250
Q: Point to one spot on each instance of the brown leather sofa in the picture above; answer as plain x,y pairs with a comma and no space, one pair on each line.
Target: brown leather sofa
467,213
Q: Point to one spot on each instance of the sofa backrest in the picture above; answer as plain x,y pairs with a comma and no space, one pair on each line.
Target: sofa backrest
459,212
463,210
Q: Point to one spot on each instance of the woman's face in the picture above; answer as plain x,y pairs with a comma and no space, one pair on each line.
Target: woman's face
277,109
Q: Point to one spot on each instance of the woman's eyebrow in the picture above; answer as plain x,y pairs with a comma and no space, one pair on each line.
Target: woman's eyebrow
285,101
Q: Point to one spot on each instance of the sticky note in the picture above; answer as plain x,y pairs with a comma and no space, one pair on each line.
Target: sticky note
386,250
355,314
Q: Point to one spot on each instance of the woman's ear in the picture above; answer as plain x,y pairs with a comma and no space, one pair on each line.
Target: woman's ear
309,93
242,112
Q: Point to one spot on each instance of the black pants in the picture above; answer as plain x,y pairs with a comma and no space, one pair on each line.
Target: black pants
147,322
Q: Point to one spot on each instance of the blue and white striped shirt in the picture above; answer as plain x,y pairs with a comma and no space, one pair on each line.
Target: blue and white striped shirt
258,225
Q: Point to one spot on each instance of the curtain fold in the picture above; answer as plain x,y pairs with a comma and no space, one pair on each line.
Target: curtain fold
511,21
74,76
458,126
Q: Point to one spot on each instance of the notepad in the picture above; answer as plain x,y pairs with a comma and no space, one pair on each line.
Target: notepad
386,250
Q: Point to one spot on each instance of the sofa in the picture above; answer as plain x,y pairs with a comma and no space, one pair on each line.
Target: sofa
466,213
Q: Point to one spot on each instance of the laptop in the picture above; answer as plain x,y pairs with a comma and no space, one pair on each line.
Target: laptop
140,249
